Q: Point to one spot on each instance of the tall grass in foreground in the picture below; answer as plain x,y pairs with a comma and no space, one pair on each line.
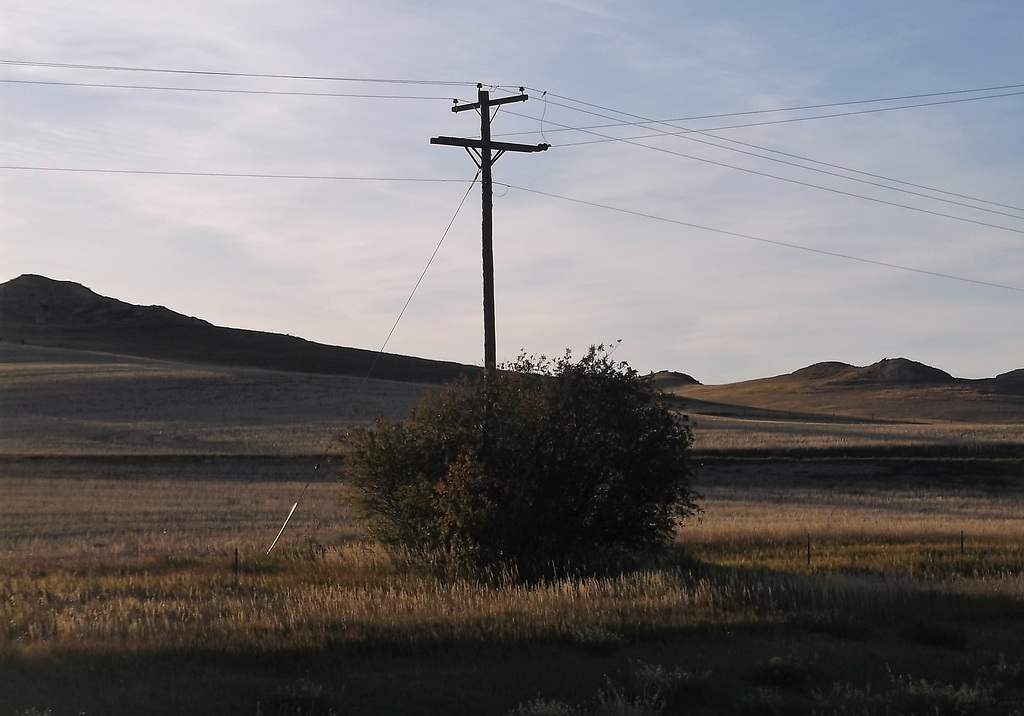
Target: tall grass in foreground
147,564
139,569
353,596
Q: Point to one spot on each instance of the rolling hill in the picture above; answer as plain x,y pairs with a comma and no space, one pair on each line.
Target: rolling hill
62,314
891,389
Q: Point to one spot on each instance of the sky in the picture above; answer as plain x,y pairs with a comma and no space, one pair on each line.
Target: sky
734,190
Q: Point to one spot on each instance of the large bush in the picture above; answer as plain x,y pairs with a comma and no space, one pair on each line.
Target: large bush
537,468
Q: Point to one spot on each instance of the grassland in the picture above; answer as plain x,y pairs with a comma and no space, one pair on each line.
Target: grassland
818,582
120,594
78,403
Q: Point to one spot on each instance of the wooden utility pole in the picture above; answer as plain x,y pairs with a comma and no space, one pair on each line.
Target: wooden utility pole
485,152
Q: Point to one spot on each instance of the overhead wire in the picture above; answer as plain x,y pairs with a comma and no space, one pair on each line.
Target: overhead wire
228,175
646,122
788,120
510,186
749,237
847,103
807,183
640,121
222,90
819,186
684,132
219,73
869,174
465,83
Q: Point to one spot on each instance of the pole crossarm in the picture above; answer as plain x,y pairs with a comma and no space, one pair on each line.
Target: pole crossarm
496,146
490,102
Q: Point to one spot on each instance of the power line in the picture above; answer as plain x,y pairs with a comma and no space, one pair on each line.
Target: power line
682,132
218,90
383,80
602,138
213,73
774,121
762,240
229,175
723,115
818,186
869,174
321,177
645,122
685,133
843,176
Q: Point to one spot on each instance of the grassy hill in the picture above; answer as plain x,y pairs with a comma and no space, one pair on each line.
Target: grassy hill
97,376
894,389
61,314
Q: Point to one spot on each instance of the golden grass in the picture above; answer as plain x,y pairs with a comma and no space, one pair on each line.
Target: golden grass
965,402
725,434
62,402
136,516
77,403
132,564
126,486
859,500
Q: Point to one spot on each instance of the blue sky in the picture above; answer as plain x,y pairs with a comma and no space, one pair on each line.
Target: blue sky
693,249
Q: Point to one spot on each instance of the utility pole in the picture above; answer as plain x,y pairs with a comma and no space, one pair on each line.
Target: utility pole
485,153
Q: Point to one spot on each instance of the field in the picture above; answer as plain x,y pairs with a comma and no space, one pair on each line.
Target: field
866,568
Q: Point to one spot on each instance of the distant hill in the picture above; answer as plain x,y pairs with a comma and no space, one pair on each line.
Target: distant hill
1012,381
667,379
63,314
888,370
891,389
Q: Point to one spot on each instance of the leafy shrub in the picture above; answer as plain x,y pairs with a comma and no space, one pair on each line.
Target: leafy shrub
538,467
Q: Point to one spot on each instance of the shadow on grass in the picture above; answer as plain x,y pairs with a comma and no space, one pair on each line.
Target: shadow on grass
780,643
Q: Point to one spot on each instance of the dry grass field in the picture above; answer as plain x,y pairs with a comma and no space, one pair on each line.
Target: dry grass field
714,433
63,402
119,587
817,581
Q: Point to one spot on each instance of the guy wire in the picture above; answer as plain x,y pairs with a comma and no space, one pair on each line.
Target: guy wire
334,438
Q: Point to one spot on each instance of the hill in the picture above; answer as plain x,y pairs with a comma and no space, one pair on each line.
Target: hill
667,379
891,389
62,314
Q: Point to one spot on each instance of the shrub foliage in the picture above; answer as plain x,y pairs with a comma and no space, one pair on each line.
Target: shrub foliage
541,466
